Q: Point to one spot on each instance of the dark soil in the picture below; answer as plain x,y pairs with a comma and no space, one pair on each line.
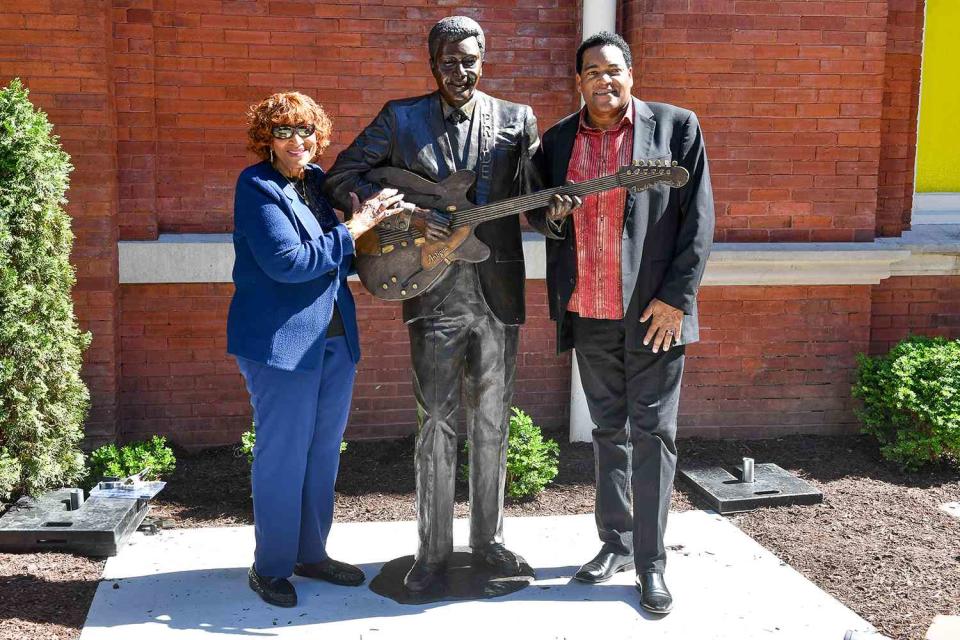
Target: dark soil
879,542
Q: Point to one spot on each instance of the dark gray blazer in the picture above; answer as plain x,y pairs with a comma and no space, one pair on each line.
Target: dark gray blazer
667,233
409,134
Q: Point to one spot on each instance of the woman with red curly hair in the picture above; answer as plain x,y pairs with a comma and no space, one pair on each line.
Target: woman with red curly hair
293,330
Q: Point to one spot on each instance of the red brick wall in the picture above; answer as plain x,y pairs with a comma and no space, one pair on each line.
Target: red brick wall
901,99
178,380
789,95
187,72
774,360
59,48
809,109
920,305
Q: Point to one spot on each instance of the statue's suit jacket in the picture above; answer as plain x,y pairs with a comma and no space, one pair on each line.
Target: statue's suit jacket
667,233
409,134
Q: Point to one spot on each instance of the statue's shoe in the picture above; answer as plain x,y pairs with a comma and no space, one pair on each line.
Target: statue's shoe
423,576
499,558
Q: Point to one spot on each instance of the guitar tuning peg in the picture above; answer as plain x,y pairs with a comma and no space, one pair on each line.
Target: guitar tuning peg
636,163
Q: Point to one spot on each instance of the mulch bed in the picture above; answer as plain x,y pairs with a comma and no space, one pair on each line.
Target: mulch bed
878,543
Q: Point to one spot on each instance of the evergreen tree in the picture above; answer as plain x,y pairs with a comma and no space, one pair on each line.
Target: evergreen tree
42,399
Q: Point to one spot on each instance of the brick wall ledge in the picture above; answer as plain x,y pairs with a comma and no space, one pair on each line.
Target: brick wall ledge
936,208
928,249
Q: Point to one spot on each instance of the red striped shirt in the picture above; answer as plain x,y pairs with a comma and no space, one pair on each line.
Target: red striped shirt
598,224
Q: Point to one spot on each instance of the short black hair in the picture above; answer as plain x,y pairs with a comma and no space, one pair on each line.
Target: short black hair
602,39
454,29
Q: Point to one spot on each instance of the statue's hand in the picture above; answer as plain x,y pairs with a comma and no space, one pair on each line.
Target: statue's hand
438,225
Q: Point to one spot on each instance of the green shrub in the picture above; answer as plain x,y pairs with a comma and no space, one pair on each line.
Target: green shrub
42,400
249,438
911,400
532,462
153,457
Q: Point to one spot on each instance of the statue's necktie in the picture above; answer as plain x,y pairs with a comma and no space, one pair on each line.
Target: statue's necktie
458,128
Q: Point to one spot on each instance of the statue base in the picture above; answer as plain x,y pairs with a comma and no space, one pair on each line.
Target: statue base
463,580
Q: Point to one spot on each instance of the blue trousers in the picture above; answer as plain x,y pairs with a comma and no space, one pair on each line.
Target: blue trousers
300,417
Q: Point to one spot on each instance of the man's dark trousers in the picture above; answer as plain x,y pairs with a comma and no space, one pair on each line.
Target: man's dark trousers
633,395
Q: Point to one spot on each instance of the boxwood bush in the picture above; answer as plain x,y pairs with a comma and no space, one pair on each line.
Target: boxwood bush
153,457
248,439
42,400
532,462
911,400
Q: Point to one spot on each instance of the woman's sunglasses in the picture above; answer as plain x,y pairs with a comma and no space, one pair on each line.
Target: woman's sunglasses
285,132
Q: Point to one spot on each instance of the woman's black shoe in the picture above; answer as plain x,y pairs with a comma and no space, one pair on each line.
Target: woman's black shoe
276,591
331,570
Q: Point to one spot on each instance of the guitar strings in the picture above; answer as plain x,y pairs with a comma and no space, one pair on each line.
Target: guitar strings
519,204
530,201
540,199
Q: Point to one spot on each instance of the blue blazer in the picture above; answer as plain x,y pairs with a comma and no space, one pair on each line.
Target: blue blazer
291,267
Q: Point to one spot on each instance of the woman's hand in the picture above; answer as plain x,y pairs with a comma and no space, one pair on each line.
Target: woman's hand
374,209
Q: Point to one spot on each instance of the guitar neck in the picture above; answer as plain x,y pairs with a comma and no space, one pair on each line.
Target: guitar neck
519,204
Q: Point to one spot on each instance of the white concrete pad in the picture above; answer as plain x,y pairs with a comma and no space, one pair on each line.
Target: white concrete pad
951,508
944,628
189,584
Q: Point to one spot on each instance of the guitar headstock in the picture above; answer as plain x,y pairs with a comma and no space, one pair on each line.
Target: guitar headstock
643,174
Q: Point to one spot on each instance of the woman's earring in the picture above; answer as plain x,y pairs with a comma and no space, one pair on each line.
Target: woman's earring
271,155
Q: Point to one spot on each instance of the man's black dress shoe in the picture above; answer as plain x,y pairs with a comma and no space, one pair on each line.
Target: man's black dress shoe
276,591
654,595
602,567
423,576
331,570
499,558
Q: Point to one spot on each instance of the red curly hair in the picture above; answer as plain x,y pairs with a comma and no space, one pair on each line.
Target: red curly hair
291,107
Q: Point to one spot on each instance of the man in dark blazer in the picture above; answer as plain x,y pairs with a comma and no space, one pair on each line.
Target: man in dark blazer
622,276
466,326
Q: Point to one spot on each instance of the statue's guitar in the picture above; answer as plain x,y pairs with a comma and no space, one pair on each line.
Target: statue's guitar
395,261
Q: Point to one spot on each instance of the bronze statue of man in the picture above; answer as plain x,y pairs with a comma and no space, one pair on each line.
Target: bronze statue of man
464,329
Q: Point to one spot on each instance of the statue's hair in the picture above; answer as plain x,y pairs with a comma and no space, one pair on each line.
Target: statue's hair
454,29
602,39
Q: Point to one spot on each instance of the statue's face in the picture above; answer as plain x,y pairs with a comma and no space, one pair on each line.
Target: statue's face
457,67
605,81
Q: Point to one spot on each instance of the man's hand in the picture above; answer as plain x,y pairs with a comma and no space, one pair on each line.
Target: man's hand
561,206
438,225
665,325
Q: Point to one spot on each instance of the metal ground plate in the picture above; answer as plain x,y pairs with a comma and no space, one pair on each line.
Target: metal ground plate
773,487
98,528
